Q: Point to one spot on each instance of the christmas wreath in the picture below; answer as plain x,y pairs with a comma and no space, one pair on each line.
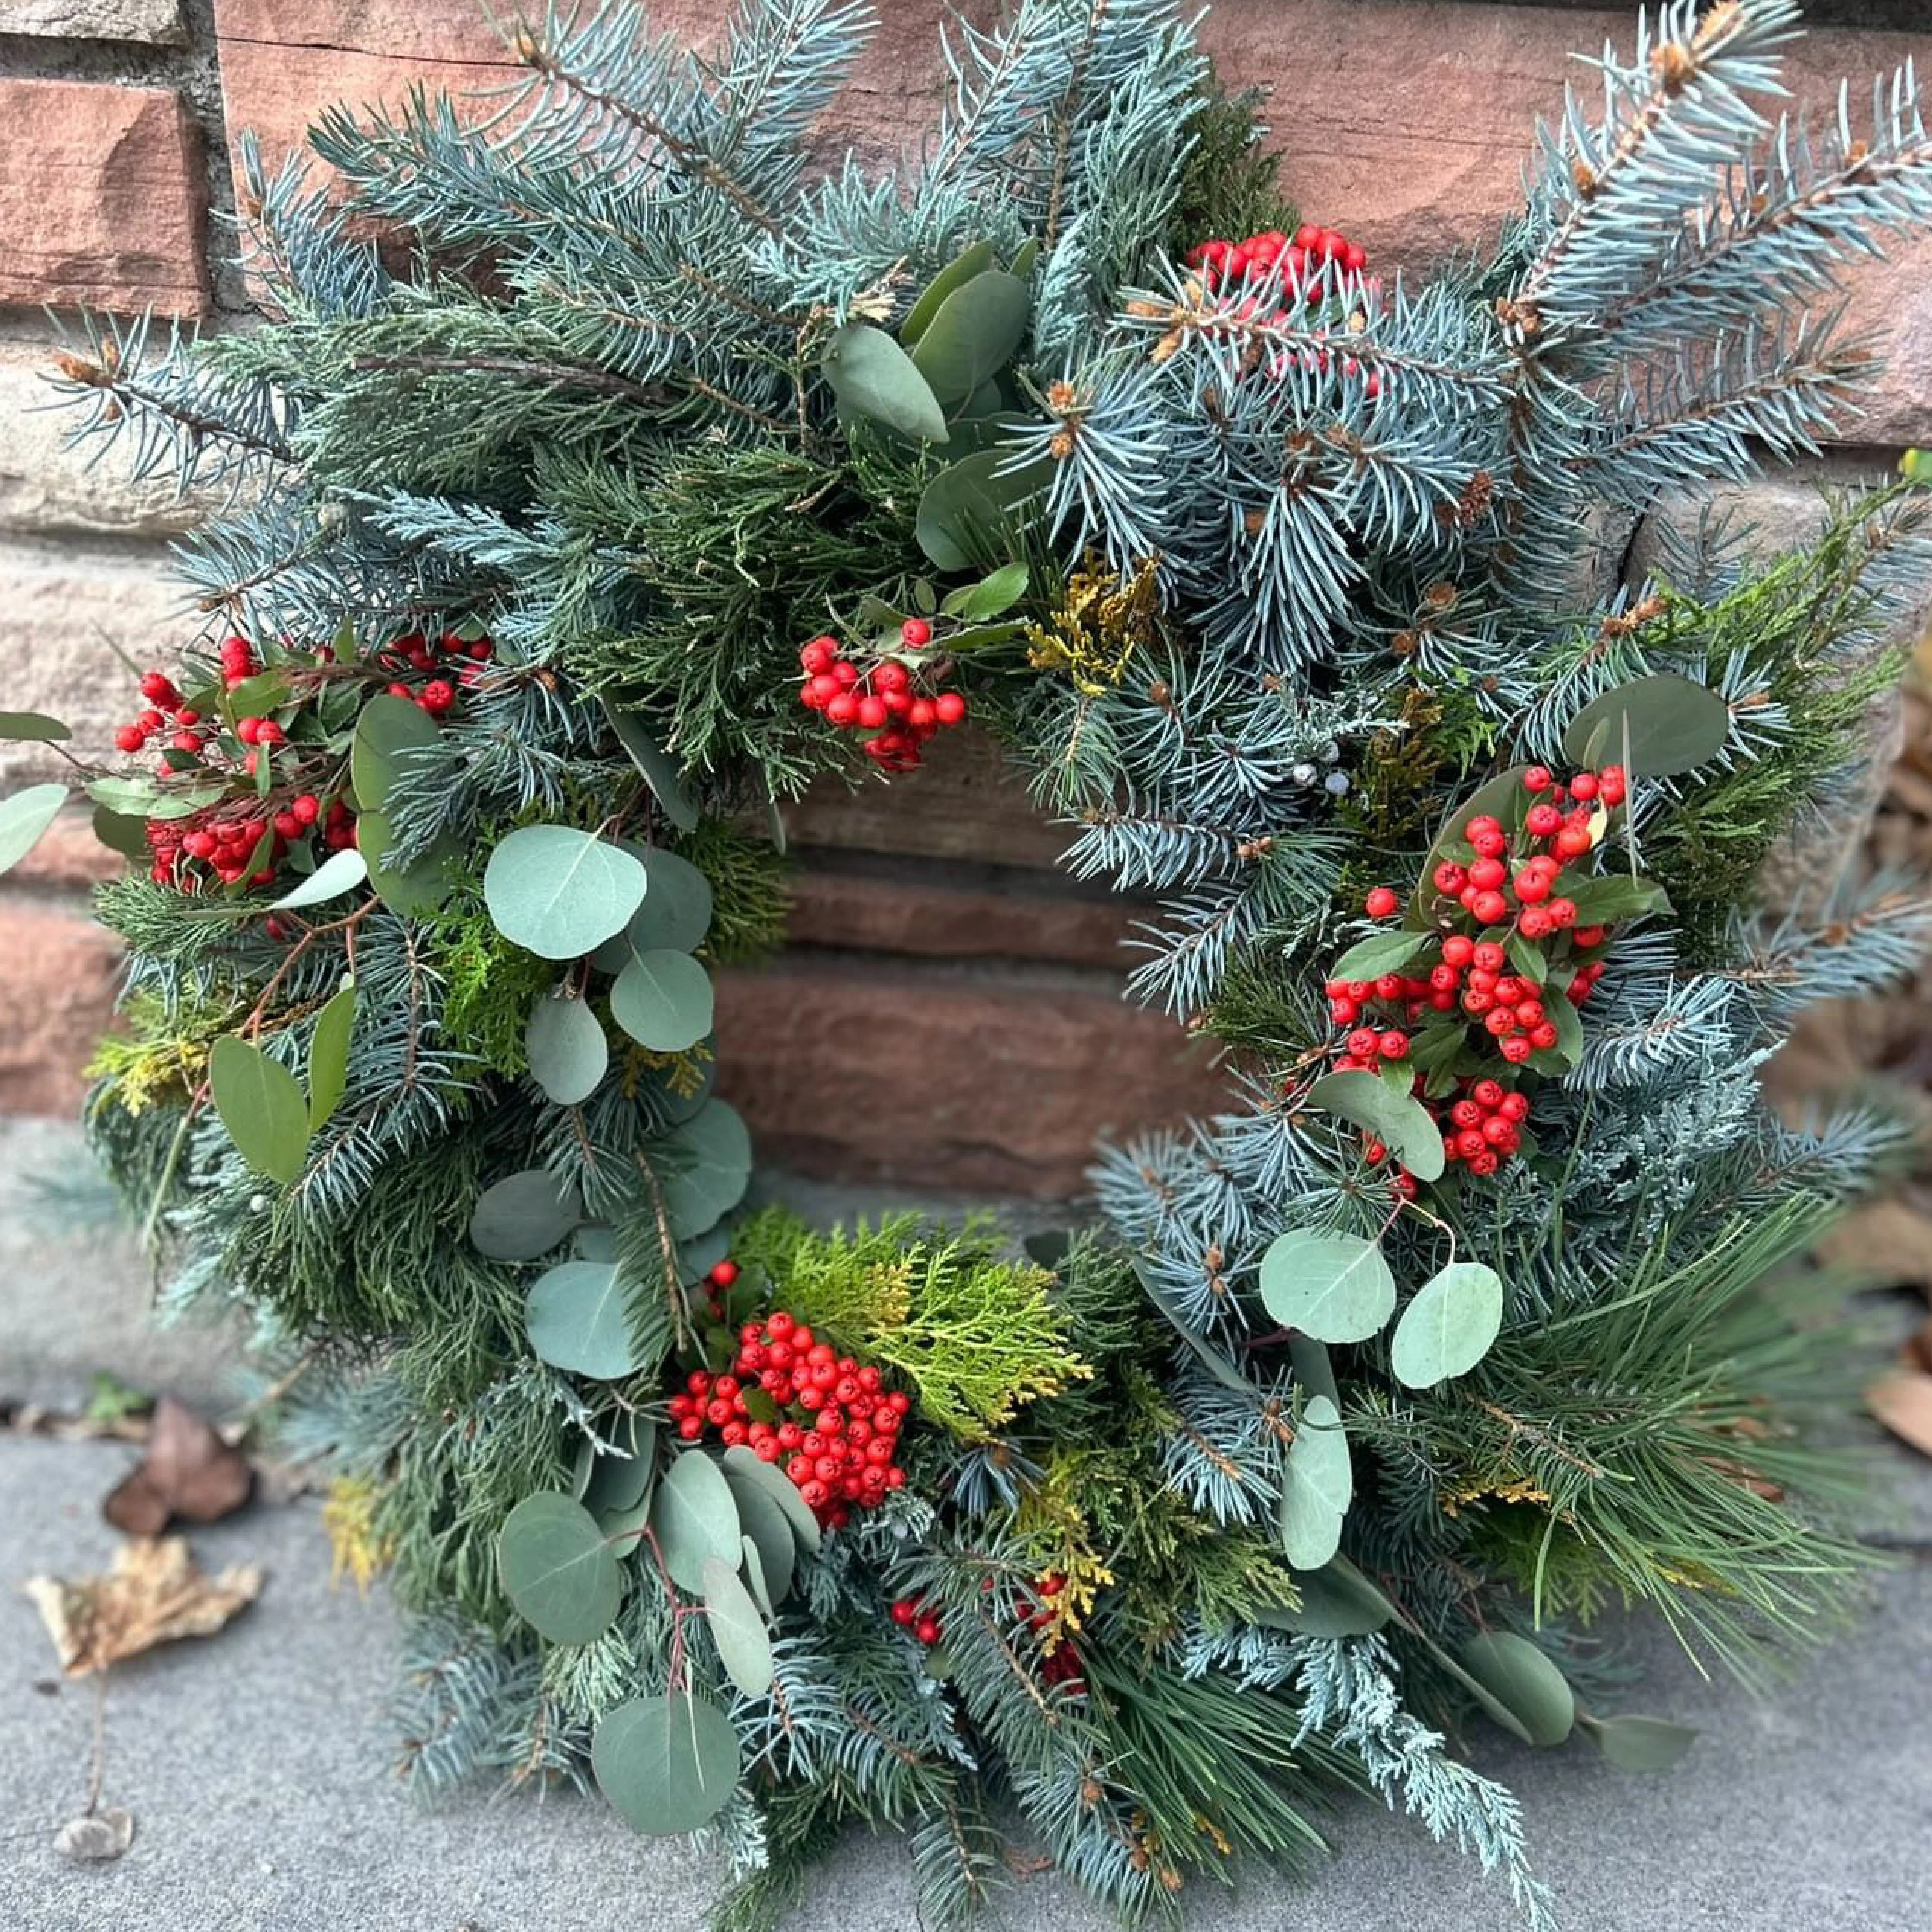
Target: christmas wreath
605,472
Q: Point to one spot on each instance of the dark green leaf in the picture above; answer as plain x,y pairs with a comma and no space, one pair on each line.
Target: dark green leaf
1529,960
565,1044
261,1104
1611,896
328,1053
523,1216
415,890
666,1764
1380,952
870,372
1449,1326
559,892
1398,1119
1660,726
1336,1601
121,832
387,728
1337,1288
557,1570
974,335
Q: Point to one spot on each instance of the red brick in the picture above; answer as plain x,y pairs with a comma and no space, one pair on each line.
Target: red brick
942,1079
282,60
57,977
1406,124
101,197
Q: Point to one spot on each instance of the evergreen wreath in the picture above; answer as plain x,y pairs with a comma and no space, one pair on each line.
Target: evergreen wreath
643,474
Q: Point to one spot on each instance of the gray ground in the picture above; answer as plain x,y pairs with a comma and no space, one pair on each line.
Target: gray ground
255,1762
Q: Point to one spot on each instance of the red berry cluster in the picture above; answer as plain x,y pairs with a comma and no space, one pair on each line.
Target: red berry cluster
1061,1664
910,1613
837,1427
437,662
885,699
1509,885
1311,268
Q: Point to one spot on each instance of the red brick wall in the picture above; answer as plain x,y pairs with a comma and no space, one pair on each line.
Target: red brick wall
931,914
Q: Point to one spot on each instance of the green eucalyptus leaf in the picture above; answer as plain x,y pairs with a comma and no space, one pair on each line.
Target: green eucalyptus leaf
1337,1288
1449,1326
666,1764
577,1320
261,1104
559,892
1316,1487
737,1626
693,1517
1633,1743
340,872
766,1529
676,911
1519,1677
565,1044
973,335
975,511
659,770
1314,1371
871,374
523,1216
958,271
328,1053
621,1481
1662,726
1337,1600
557,1570
663,1000
754,1574
25,818
32,727
1396,1117
387,729
743,1468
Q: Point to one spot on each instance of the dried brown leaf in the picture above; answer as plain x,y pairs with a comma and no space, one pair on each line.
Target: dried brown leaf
188,1472
97,1837
1901,1398
154,1594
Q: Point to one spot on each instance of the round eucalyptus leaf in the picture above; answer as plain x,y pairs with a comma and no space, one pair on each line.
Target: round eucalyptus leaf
1337,1288
559,892
1393,1116
716,1135
737,1626
1317,1484
696,1197
677,910
767,1529
973,513
262,1105
576,1320
24,818
565,1043
1638,1744
1448,1326
557,1570
743,1466
595,1241
694,1517
666,1764
663,1000
1661,726
1539,1704
523,1216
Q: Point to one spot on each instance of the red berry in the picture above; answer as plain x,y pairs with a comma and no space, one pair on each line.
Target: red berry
949,707
1583,787
130,738
1450,878
1394,1045
842,711
1516,1049
904,1611
438,695
1537,778
1458,950
1380,902
927,1630
915,633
